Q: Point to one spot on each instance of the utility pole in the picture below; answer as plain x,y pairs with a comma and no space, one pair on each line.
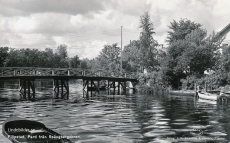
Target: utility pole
68,52
121,49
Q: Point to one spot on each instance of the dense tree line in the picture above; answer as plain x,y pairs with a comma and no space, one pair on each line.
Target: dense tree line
192,56
37,58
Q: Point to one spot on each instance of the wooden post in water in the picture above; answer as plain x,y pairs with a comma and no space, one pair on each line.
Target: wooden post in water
28,87
62,92
91,92
125,87
205,86
98,86
87,94
134,87
84,85
57,88
195,89
67,88
108,88
28,84
114,87
119,87
24,86
33,89
54,84
20,85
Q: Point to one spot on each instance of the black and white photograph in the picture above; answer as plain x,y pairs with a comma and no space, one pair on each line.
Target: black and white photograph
114,71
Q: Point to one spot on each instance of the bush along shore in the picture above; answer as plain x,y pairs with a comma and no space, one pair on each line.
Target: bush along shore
153,90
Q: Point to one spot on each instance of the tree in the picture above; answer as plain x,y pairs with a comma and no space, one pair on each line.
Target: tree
180,29
147,43
84,63
62,51
174,70
74,62
109,57
3,55
191,51
131,57
62,55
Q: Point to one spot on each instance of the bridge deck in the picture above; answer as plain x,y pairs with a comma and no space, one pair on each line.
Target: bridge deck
64,73
69,77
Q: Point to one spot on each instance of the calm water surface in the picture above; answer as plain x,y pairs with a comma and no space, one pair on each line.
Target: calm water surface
119,119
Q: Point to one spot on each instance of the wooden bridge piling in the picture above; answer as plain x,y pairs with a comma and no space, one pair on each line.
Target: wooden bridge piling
28,87
63,85
89,86
120,86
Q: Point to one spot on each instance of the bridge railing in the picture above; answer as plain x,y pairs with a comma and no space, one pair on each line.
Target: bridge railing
35,71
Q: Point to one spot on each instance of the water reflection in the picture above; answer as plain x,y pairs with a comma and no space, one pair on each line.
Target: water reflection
122,118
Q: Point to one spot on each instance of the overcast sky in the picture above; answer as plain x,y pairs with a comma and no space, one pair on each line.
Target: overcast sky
85,26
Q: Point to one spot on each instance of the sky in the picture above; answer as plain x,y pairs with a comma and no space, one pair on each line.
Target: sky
85,26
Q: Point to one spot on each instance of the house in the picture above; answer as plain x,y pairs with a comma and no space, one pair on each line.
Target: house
225,32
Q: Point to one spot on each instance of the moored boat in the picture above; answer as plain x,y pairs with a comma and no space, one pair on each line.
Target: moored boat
19,130
224,96
182,93
209,95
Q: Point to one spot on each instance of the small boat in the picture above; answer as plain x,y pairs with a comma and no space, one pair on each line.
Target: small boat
209,95
19,130
207,102
224,96
182,93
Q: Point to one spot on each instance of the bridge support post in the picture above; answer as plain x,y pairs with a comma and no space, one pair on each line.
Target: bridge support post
87,91
98,86
119,83
114,87
124,87
85,86
27,88
90,86
108,85
134,87
63,85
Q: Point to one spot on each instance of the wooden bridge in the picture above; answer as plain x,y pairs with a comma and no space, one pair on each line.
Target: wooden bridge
91,79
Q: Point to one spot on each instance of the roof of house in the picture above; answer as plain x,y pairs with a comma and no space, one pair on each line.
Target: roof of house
225,30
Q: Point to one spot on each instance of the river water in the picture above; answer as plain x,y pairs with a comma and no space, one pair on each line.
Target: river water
130,118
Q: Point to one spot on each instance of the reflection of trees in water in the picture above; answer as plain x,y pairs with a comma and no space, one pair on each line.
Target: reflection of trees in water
14,84
10,84
143,103
1,84
43,84
223,114
183,115
200,115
